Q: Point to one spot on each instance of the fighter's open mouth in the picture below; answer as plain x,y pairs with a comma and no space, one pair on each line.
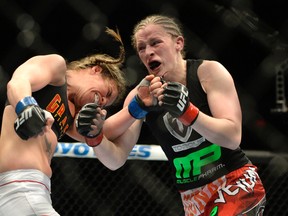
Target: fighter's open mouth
154,64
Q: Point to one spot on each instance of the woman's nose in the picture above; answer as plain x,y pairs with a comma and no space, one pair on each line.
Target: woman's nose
149,51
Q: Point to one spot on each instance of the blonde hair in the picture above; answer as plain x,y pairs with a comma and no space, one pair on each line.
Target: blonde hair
170,25
111,67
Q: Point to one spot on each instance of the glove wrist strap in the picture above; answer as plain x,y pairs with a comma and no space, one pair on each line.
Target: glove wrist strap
190,115
93,142
26,101
136,110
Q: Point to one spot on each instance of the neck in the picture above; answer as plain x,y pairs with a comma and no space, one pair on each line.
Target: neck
179,75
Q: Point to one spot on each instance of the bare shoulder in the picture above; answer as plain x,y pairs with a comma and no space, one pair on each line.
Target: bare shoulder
212,74
211,69
55,65
50,62
208,65
55,58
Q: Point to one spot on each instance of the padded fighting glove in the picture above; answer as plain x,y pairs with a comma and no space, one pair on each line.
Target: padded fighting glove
137,107
84,121
31,118
176,102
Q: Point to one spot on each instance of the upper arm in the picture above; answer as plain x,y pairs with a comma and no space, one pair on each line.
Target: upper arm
42,70
219,86
34,74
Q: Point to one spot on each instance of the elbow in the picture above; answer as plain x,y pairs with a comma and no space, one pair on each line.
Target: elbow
10,85
113,163
234,143
115,166
234,138
229,141
234,146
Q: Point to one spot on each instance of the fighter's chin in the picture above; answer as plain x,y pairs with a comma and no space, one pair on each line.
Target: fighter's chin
156,72
159,74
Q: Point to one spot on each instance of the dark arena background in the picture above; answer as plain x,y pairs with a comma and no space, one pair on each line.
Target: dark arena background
249,37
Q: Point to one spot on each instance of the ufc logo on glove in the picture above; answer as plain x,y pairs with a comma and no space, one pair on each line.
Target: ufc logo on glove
22,118
182,101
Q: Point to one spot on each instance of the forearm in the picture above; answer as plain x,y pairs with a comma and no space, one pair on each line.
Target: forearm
114,154
118,124
223,132
112,140
109,153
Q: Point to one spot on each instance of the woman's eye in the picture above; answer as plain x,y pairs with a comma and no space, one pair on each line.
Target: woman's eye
140,48
154,43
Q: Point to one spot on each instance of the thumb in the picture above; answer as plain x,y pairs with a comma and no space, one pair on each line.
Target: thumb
103,114
149,77
49,118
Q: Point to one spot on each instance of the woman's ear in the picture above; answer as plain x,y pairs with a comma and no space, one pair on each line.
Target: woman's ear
96,69
180,43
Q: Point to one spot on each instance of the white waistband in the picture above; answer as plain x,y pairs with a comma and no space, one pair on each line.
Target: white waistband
21,175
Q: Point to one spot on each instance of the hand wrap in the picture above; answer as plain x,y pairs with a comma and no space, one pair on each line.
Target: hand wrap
137,107
176,102
84,121
31,118
93,142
